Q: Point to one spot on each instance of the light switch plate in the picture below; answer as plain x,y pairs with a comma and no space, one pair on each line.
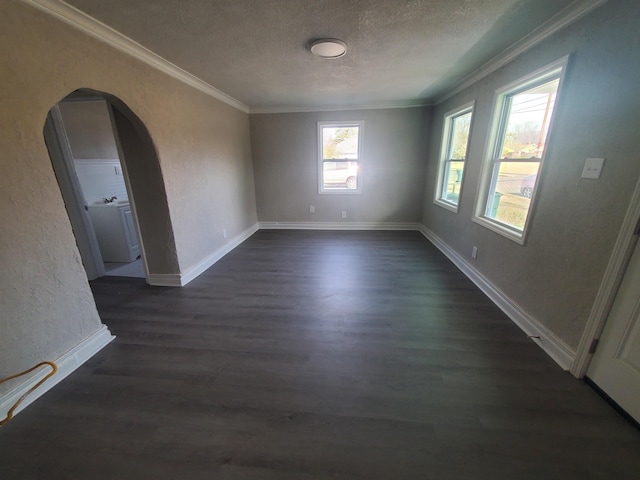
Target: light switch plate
592,167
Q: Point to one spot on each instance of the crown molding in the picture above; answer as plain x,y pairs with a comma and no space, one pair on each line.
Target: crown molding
572,12
96,29
336,108
90,26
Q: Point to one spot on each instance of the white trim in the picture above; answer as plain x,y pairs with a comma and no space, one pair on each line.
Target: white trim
87,24
124,166
96,161
55,134
559,351
571,13
199,268
338,226
445,145
181,279
96,29
606,295
499,228
341,108
340,191
554,70
67,363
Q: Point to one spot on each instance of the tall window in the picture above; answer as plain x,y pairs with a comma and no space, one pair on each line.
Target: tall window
517,148
339,153
455,141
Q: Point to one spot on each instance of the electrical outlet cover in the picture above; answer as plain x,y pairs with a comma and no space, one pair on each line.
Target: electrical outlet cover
592,168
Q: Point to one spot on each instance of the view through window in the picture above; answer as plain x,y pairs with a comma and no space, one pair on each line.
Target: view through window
457,126
339,156
524,116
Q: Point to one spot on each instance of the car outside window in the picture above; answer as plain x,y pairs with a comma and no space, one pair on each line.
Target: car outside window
339,156
517,148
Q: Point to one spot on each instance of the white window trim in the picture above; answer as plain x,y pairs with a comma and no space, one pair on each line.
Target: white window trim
556,69
342,191
444,147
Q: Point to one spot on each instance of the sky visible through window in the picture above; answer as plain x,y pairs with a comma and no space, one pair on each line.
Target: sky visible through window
524,141
340,150
528,124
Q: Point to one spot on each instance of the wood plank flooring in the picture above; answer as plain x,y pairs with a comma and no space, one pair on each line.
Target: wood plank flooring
317,355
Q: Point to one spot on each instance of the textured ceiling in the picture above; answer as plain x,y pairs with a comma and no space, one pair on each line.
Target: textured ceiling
400,51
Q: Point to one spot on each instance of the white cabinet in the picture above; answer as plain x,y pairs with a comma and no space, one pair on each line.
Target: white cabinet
115,231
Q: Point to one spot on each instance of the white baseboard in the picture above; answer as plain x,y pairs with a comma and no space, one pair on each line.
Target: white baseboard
67,363
338,226
559,351
181,279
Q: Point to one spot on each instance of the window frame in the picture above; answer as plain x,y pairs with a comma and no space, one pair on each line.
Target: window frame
492,158
445,148
321,160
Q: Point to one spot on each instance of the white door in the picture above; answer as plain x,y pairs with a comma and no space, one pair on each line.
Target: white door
615,367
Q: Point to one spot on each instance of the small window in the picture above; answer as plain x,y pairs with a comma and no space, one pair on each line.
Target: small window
517,148
453,156
339,154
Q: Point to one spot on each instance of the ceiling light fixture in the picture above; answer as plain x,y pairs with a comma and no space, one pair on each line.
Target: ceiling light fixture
329,48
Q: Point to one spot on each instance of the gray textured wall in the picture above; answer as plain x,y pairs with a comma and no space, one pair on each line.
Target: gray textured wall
285,158
46,306
89,130
556,275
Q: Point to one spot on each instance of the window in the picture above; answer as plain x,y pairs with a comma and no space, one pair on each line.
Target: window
517,148
455,141
339,153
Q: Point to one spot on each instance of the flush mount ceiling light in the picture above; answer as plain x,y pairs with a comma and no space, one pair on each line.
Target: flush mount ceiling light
329,48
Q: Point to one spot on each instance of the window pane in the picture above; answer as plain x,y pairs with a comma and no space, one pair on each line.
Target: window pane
340,142
459,137
340,175
510,197
452,180
528,120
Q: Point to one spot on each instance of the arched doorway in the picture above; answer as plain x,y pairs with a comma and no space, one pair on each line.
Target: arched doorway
137,220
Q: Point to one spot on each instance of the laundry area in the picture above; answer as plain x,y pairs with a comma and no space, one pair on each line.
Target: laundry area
85,131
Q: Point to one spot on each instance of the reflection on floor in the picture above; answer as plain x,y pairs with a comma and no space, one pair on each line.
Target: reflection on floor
317,355
133,269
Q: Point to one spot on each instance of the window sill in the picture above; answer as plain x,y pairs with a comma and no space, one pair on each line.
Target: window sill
339,192
452,207
500,229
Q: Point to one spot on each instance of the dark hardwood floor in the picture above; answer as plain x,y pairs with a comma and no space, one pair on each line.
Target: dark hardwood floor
317,355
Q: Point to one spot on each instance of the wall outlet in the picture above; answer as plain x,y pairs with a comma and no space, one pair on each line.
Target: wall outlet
312,209
344,214
474,252
224,233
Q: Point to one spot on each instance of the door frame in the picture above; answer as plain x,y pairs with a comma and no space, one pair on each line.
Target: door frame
62,161
127,184
618,262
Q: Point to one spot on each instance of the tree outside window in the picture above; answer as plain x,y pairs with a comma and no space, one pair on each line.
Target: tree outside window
521,129
455,142
339,156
